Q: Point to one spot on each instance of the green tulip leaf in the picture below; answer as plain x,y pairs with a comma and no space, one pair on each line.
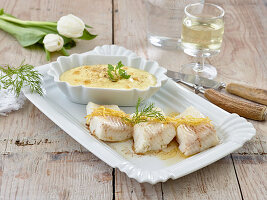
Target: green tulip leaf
69,44
87,36
25,36
87,26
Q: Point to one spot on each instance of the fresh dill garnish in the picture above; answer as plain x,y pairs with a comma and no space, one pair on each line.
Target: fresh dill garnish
146,113
16,78
116,73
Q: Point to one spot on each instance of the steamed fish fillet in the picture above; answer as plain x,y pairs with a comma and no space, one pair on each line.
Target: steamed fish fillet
111,128
152,136
194,139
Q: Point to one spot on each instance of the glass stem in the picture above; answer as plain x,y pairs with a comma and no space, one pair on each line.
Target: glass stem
200,64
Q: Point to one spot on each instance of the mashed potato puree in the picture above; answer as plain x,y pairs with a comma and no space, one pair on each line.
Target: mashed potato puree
97,76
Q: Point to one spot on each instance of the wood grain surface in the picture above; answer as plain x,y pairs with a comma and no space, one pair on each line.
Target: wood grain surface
54,176
254,167
40,161
217,181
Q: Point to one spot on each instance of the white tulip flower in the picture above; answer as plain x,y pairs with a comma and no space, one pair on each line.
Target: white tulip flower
70,26
53,42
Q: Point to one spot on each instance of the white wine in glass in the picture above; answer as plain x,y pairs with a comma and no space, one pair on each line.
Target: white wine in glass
202,34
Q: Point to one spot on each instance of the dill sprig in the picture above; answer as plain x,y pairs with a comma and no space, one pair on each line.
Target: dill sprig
146,113
17,78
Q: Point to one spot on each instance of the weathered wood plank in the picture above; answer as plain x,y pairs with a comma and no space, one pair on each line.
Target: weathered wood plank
30,130
217,181
252,175
127,188
54,176
128,29
127,15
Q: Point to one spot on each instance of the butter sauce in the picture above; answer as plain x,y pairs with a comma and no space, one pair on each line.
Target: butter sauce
96,76
169,155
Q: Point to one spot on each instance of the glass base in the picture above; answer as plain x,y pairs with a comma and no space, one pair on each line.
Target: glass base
164,42
208,71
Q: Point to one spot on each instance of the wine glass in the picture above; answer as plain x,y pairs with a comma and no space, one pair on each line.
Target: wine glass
202,33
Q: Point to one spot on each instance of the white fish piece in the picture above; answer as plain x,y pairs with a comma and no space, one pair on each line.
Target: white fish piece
194,139
111,128
152,136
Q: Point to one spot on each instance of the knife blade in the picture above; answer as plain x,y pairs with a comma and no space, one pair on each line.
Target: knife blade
196,80
248,92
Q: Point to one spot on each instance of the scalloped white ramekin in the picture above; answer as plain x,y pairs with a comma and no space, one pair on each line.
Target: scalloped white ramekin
122,97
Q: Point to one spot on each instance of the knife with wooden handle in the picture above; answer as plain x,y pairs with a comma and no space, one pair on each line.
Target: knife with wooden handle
243,108
251,93
247,92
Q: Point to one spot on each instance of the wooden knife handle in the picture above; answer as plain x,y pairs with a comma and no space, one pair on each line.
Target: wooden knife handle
243,108
254,94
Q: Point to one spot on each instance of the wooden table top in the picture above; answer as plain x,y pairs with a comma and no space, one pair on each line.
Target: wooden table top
40,161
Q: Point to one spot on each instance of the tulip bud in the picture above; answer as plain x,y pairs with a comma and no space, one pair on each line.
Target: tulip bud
53,42
70,26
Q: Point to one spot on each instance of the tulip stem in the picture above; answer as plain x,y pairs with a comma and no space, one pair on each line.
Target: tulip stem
64,52
26,23
47,53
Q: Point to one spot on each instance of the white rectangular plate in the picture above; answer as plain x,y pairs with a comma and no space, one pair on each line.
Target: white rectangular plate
232,130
